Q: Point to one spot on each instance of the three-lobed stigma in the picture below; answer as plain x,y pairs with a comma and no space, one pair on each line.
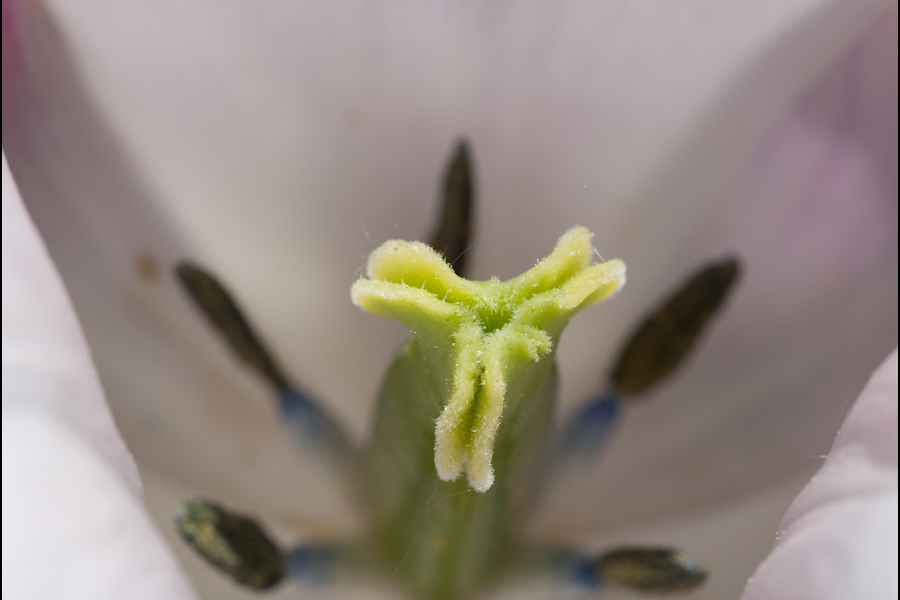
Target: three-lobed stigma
487,331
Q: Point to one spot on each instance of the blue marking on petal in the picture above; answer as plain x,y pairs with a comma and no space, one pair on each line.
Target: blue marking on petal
570,568
313,426
311,564
301,412
586,431
584,574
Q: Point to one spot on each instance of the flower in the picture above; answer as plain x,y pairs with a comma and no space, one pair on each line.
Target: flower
259,142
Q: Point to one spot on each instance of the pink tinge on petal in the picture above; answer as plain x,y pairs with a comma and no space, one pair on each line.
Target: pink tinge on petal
74,525
839,538
822,193
814,222
71,527
46,362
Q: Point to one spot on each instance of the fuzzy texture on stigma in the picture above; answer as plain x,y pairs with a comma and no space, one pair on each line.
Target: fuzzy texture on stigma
490,329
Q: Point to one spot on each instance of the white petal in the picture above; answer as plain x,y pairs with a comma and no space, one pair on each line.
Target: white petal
74,525
815,221
839,538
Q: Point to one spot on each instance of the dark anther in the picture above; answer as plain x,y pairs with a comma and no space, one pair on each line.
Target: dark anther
671,331
455,226
234,543
223,312
656,570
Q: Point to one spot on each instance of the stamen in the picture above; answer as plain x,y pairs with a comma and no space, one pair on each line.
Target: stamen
652,570
655,570
312,424
241,548
455,227
219,307
655,349
665,338
233,543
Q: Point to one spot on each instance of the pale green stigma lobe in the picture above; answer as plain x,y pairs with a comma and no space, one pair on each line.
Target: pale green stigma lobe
489,333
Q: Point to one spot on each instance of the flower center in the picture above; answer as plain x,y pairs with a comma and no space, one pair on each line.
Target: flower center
481,351
488,333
